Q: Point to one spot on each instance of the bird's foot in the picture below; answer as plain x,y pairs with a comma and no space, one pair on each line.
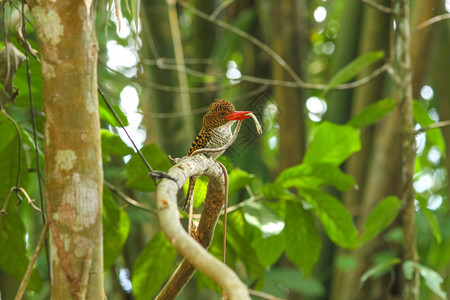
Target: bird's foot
160,175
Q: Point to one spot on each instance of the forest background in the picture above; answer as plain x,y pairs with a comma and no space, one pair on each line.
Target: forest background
344,196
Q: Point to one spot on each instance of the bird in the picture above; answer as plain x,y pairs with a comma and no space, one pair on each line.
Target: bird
214,133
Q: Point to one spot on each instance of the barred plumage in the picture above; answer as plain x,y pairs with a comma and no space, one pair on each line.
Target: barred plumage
215,132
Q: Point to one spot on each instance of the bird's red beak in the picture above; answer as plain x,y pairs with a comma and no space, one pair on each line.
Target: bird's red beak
238,115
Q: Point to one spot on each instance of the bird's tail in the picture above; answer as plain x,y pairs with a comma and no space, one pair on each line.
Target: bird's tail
190,192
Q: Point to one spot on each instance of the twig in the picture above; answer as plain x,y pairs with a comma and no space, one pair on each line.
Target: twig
433,126
431,21
273,82
242,204
128,199
224,242
31,201
220,8
152,173
378,6
26,278
248,37
263,295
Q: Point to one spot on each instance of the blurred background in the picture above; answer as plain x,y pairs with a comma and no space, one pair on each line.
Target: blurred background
161,65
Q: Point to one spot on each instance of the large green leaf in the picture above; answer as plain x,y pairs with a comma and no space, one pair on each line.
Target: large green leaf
152,267
277,191
240,243
335,218
9,152
315,175
138,172
333,144
353,69
432,279
372,113
116,227
263,218
423,118
269,249
380,218
302,239
113,144
13,250
21,83
434,224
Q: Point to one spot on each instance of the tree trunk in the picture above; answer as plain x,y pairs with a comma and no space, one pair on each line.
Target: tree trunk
73,165
287,42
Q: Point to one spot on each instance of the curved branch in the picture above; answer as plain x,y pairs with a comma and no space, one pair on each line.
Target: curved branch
196,256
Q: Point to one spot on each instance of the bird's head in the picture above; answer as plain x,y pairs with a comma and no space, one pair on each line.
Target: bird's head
222,112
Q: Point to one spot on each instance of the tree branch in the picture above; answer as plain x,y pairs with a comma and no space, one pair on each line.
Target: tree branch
378,6
196,256
431,21
26,278
433,126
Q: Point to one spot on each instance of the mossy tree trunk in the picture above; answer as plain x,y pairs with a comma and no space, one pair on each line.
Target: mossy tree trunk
73,165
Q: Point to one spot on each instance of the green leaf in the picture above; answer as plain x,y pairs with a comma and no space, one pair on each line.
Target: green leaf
315,175
238,179
434,224
152,267
277,191
263,218
241,245
113,144
333,144
302,239
335,219
9,151
200,189
372,113
379,270
270,249
138,172
13,250
353,69
380,218
116,227
432,279
423,118
108,116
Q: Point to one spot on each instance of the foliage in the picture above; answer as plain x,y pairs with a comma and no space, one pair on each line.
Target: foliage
292,213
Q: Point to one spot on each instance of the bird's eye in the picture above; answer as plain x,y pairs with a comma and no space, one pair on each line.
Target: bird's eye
222,114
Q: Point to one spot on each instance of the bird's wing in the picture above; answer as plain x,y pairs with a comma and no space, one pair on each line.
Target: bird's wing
200,142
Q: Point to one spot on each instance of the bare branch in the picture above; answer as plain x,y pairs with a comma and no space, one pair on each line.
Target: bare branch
263,295
272,82
248,37
170,222
431,21
220,8
26,278
378,6
128,199
433,126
